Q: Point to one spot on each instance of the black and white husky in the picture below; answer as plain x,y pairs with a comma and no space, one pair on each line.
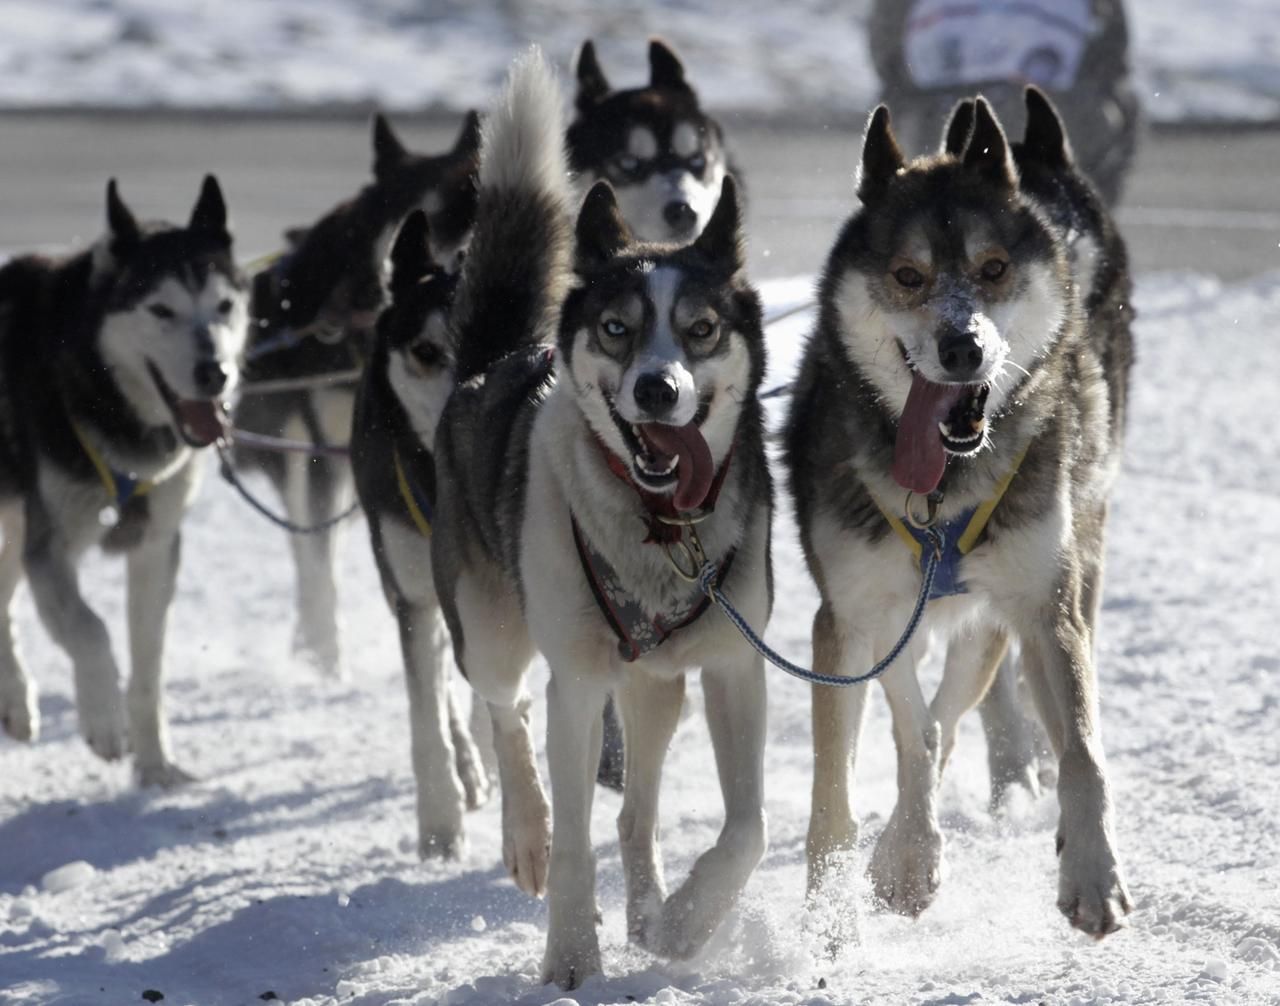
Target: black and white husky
314,310
113,366
955,378
604,384
408,378
663,155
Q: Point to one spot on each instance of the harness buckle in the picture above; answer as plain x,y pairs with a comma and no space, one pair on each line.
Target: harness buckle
933,501
691,557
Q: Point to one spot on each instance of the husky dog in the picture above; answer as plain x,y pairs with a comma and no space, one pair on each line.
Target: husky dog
603,385
113,365
664,156
314,311
1048,173
402,392
952,366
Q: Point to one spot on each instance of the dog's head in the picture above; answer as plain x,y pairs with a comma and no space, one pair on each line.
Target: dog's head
948,285
442,186
663,155
175,312
415,327
663,344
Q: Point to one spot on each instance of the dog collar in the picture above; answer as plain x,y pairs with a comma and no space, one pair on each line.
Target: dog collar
121,487
664,524
960,535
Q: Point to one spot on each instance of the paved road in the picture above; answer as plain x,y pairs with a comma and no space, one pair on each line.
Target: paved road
1200,201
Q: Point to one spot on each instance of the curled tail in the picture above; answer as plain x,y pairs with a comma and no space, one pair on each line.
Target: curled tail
518,266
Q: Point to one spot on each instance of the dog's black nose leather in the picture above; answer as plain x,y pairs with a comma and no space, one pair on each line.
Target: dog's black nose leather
210,376
656,393
959,354
679,215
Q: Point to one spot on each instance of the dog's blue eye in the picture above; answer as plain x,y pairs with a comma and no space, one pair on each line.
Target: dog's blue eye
908,277
696,163
161,312
628,164
614,328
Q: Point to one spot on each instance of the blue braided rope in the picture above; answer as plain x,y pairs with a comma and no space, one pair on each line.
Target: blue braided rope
707,582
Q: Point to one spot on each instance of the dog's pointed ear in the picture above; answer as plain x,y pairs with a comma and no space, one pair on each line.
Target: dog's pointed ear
959,126
665,68
468,144
411,254
1045,140
210,211
721,239
592,83
988,150
388,151
601,231
121,223
882,158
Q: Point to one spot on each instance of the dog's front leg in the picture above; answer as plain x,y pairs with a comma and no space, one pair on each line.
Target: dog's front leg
736,714
907,865
650,713
575,704
1057,651
74,626
19,711
152,577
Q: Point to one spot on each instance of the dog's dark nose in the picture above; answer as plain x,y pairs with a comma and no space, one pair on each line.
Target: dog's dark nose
656,393
679,215
210,376
959,354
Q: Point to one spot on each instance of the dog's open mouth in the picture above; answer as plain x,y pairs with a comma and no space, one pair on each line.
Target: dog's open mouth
199,420
938,419
664,457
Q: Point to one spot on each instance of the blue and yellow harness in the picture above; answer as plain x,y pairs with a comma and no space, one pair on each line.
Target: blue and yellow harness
960,535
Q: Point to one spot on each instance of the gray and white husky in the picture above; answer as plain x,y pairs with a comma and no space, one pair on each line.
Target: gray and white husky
115,362
664,156
606,387
956,378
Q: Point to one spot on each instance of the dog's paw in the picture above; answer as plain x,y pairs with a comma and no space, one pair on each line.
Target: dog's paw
1091,890
526,849
570,960
19,710
162,775
104,726
441,837
831,919
319,651
907,866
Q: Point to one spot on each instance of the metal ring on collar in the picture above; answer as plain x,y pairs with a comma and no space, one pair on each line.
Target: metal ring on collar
932,502
688,573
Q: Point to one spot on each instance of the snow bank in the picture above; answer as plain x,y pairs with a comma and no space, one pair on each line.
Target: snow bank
1194,61
290,868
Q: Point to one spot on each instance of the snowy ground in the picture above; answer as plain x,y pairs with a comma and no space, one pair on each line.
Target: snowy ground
1194,60
291,867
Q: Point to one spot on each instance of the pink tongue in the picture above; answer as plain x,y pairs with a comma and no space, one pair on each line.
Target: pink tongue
202,420
694,471
919,458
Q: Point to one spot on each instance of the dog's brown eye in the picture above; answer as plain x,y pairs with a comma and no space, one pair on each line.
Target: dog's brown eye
993,269
702,329
428,354
613,328
225,305
161,312
910,278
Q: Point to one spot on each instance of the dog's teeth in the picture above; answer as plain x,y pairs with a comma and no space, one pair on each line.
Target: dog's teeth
945,428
